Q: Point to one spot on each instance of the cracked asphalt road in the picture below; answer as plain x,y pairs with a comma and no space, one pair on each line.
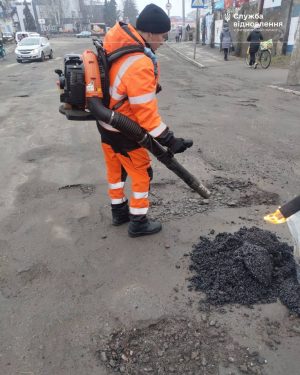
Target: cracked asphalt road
67,276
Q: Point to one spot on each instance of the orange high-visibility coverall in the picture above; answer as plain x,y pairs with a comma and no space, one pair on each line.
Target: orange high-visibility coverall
132,82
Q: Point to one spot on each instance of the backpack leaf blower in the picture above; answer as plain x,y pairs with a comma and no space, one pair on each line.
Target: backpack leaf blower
84,87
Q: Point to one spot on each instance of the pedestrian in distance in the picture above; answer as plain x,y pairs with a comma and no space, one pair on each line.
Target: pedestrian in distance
255,37
225,40
177,34
180,33
134,80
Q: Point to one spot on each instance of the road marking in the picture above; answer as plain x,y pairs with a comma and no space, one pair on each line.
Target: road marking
285,90
186,57
11,65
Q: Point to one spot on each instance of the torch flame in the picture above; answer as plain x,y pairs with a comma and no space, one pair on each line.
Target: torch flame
275,218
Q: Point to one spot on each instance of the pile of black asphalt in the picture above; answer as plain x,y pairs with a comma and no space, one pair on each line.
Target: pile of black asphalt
251,266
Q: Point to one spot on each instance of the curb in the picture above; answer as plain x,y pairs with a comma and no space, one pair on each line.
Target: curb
289,91
199,65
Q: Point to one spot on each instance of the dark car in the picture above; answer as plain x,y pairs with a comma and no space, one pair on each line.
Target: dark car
7,37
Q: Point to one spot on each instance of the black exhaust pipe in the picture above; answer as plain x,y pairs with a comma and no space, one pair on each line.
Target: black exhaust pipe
135,132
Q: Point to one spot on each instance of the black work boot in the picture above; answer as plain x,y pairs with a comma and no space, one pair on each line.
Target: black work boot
120,213
140,225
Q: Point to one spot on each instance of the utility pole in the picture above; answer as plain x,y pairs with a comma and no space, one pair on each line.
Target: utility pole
294,71
168,6
287,32
261,6
183,20
212,33
196,31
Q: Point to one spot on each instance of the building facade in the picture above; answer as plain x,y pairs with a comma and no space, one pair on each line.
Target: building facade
278,19
52,15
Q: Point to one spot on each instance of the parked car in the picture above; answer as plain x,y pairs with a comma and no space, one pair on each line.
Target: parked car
84,34
33,48
24,34
7,37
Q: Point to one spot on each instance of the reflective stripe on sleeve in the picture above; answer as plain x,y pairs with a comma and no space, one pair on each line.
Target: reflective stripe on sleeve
142,99
138,195
117,185
114,94
138,211
127,63
158,130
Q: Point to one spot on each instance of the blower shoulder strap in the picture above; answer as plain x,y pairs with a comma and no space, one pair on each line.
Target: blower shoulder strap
124,51
127,49
128,31
139,47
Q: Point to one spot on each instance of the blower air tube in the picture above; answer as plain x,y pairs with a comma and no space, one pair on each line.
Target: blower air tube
133,131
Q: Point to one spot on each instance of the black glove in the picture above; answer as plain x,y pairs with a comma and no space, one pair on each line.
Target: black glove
175,145
180,145
158,88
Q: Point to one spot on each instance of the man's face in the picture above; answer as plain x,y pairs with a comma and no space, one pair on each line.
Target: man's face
156,40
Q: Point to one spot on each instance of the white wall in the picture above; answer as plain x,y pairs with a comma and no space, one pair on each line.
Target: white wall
272,3
218,29
70,8
293,30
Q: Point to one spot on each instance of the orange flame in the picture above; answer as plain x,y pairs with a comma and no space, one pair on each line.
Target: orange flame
275,218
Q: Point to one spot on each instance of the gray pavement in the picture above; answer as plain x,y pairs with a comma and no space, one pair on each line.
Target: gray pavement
208,58
211,58
69,278
204,55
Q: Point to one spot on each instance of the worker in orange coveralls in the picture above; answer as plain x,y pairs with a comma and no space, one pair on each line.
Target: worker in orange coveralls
133,88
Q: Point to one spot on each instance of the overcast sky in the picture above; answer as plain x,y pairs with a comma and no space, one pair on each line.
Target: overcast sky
176,9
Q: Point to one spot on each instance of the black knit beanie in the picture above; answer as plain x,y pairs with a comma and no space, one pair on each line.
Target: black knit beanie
154,20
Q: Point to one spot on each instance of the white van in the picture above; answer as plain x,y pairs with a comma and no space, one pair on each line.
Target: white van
24,34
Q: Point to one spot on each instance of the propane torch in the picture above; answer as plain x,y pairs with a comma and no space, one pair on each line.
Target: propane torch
289,213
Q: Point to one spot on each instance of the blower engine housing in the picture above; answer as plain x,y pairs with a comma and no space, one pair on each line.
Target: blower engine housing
79,81
71,82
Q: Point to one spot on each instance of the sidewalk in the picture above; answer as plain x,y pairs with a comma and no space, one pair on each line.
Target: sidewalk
236,68
205,55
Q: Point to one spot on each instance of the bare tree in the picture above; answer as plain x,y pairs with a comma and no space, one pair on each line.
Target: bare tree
29,20
130,11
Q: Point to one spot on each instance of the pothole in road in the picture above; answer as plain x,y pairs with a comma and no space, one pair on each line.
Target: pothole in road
43,152
170,202
247,105
176,345
86,189
239,193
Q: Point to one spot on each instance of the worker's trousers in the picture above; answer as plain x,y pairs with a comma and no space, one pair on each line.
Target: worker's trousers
135,164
